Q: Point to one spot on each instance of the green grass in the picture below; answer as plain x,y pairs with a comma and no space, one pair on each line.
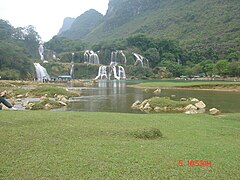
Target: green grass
209,84
167,102
50,90
78,145
35,89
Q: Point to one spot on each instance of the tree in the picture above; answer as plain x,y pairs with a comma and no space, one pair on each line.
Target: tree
152,55
6,30
234,69
207,67
141,41
222,67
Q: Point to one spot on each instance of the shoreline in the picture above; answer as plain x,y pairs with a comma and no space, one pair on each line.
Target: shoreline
185,88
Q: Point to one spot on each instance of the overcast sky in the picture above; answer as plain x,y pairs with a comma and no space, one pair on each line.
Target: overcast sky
46,15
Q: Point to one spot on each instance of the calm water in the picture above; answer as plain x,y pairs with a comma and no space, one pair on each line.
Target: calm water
115,96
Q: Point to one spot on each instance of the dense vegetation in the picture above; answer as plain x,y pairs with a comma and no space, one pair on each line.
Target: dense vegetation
191,22
179,38
17,47
167,58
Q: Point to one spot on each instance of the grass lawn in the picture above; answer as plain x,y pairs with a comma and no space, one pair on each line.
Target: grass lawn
198,84
81,145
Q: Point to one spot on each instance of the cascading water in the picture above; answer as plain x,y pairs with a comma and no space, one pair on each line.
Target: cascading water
91,57
41,73
72,70
41,51
118,72
140,59
102,72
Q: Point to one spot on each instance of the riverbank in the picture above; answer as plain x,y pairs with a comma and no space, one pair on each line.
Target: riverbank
191,85
81,145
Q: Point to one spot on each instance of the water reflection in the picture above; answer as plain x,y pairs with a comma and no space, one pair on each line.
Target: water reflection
108,96
115,96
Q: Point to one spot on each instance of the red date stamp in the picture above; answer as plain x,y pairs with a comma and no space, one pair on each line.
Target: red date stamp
195,163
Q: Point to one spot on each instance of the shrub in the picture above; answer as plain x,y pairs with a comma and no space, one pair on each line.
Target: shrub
148,133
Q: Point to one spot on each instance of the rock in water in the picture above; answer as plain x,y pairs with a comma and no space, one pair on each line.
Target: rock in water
214,111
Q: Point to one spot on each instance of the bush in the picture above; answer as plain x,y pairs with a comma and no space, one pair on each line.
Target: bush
149,133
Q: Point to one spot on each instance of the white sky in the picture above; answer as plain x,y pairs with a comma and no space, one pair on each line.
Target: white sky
46,15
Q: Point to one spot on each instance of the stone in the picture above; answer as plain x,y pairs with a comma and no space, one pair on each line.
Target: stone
157,109
142,105
19,100
48,106
27,94
192,111
62,103
190,107
29,106
157,91
25,103
183,99
201,111
20,96
194,100
136,104
214,111
43,98
200,105
147,107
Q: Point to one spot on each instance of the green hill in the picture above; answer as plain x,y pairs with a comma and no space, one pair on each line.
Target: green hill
214,22
83,25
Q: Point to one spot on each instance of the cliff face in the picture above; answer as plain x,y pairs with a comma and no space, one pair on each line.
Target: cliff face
67,23
122,11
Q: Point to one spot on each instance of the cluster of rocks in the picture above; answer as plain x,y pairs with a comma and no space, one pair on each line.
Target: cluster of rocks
146,106
195,106
60,99
143,106
198,107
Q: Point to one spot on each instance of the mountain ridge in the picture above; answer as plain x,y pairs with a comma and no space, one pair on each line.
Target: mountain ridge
83,24
188,21
67,23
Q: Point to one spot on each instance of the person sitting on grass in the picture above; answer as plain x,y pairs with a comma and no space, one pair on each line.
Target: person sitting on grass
4,101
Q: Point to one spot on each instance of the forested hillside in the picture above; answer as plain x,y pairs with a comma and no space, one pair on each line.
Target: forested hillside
17,47
178,37
192,22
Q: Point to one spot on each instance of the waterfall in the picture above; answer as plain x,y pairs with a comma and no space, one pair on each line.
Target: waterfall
140,59
72,70
41,72
91,57
41,51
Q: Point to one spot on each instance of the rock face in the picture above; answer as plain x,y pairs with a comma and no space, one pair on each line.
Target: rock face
214,111
67,23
